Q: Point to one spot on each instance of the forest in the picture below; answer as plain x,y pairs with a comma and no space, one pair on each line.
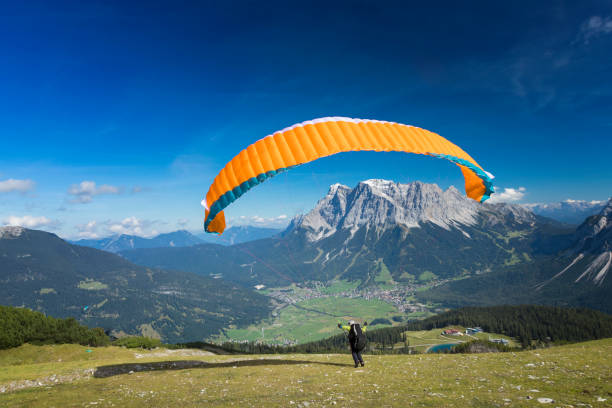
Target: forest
529,324
20,325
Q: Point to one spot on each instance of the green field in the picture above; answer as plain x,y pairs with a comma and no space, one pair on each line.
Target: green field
339,286
312,320
61,376
422,340
91,284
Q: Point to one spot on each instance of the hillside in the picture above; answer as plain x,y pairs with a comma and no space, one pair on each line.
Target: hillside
575,375
576,276
41,271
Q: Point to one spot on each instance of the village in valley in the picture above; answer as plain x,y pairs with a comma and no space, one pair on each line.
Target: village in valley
399,295
310,311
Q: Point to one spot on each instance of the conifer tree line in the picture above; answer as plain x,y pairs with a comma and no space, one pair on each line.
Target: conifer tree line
526,323
379,341
529,324
19,326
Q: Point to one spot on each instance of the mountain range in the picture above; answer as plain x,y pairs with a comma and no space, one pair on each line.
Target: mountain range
45,273
568,211
180,238
575,275
450,250
122,242
239,234
417,232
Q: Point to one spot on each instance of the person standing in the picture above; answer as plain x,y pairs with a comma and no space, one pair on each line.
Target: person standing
357,339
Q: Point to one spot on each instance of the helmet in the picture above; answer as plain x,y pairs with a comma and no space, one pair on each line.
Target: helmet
351,322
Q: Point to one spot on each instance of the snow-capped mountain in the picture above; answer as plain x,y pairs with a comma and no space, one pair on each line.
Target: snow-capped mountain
414,231
418,234
384,204
568,211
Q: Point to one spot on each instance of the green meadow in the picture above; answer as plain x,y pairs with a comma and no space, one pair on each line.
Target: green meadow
312,320
63,376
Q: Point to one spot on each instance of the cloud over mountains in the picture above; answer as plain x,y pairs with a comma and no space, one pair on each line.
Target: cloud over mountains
14,185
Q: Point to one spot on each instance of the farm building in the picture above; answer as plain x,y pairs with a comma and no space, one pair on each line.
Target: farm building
473,330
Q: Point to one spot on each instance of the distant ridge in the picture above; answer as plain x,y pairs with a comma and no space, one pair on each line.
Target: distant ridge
239,234
122,242
45,273
568,211
177,239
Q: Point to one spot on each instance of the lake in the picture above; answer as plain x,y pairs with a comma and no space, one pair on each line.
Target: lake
441,347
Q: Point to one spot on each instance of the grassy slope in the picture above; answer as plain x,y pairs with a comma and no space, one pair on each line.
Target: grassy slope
573,374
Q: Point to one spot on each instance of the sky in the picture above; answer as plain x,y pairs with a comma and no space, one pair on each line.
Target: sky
115,117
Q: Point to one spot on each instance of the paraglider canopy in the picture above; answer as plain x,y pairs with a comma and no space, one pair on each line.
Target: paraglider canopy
314,139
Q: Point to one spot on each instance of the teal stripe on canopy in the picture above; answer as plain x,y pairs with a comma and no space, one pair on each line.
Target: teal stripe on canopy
232,195
487,181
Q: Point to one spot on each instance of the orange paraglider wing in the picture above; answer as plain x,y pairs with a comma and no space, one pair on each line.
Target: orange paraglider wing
311,140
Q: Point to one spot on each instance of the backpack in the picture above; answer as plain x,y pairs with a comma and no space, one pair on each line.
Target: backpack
357,337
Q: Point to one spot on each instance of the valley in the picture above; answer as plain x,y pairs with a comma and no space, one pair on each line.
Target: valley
382,251
309,311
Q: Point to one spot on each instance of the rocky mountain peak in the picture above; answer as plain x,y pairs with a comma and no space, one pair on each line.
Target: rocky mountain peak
595,234
381,203
334,188
592,250
511,212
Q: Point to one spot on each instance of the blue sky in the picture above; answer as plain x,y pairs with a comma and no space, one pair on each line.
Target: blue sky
116,116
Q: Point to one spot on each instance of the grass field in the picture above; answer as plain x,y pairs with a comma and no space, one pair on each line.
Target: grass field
339,286
313,319
422,340
572,375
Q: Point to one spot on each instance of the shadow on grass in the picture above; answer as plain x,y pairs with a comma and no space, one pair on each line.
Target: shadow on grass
118,369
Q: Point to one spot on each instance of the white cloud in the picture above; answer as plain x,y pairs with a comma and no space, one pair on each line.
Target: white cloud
509,195
132,226
594,27
89,230
593,202
21,186
260,221
129,226
86,190
28,221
